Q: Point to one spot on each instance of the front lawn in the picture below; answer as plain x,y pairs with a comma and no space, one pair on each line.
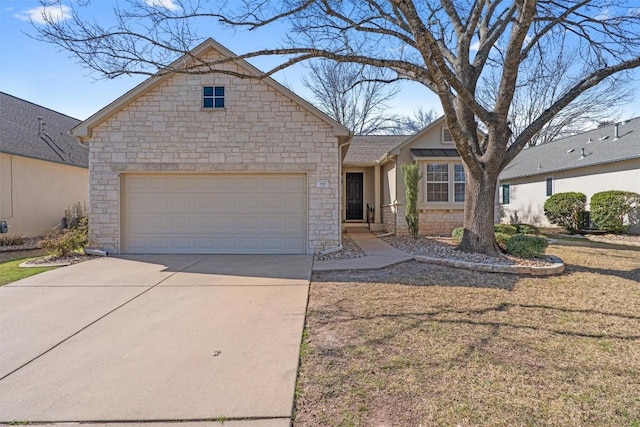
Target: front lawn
10,272
424,345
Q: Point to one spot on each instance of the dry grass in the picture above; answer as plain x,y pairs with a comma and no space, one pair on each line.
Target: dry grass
476,349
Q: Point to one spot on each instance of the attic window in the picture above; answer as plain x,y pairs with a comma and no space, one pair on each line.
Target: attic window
212,97
446,136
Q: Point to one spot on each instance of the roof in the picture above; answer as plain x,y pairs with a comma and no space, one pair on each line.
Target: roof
600,147
435,152
83,130
368,149
21,133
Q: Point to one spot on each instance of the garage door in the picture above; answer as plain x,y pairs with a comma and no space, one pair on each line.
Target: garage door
214,214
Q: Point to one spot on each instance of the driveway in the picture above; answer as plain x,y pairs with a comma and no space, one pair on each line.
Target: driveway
155,338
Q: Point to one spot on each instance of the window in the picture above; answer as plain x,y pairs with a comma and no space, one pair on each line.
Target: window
549,186
458,183
213,97
447,138
437,182
506,194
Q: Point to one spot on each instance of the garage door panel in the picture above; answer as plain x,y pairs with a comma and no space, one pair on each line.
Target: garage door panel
215,214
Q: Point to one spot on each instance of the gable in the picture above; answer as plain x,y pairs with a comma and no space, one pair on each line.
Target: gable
179,95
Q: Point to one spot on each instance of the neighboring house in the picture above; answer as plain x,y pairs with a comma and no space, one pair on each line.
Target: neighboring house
43,170
372,176
214,163
599,160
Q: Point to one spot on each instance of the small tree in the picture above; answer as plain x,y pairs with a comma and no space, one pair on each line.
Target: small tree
411,172
609,209
564,209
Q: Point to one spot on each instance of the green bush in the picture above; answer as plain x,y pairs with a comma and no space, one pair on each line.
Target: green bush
525,246
502,239
609,209
526,229
70,239
411,172
505,228
564,209
457,234
11,241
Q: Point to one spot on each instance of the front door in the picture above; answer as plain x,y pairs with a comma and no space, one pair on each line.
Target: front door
354,196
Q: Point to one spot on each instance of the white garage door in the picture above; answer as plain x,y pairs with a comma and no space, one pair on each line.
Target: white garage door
214,214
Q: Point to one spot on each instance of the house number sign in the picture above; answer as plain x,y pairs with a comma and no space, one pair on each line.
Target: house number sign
322,183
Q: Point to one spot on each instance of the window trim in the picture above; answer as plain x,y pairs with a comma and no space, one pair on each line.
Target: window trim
451,194
463,182
214,97
549,180
445,132
427,182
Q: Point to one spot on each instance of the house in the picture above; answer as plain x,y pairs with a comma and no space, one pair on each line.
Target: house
372,176
603,159
214,163
43,170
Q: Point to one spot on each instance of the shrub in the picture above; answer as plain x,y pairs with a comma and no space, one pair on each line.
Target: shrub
502,239
609,209
70,239
457,234
11,241
526,229
412,177
564,209
505,229
74,214
525,246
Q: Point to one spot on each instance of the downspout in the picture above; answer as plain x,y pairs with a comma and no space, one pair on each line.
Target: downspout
340,190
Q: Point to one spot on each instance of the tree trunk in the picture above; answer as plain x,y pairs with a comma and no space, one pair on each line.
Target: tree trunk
479,204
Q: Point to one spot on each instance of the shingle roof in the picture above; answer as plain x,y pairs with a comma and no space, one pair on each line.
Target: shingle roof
600,146
367,149
19,126
435,152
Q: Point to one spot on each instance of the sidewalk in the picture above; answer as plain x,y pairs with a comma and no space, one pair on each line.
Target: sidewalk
378,254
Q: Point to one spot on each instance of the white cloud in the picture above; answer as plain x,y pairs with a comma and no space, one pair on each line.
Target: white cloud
167,4
41,14
603,16
474,46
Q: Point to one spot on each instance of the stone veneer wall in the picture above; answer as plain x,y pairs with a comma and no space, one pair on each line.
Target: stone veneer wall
260,130
440,222
388,218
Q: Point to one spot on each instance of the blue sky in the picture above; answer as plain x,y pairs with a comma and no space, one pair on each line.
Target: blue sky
38,72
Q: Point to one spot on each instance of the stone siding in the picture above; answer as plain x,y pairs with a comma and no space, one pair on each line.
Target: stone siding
260,130
388,218
440,222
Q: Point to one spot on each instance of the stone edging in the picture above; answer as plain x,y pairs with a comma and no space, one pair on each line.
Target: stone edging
556,268
28,264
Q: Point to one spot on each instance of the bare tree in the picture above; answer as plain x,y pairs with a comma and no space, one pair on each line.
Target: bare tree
353,94
539,86
446,45
409,125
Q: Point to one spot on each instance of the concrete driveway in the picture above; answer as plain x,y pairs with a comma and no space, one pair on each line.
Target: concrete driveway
162,338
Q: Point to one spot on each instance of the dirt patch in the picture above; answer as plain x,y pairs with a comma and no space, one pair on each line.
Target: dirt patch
467,349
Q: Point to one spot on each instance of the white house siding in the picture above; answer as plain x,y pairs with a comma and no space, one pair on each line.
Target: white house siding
259,131
528,194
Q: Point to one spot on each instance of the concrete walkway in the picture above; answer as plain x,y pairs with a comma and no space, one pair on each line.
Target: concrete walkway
378,254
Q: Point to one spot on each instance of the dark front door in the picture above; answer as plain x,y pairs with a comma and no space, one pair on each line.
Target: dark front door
354,196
